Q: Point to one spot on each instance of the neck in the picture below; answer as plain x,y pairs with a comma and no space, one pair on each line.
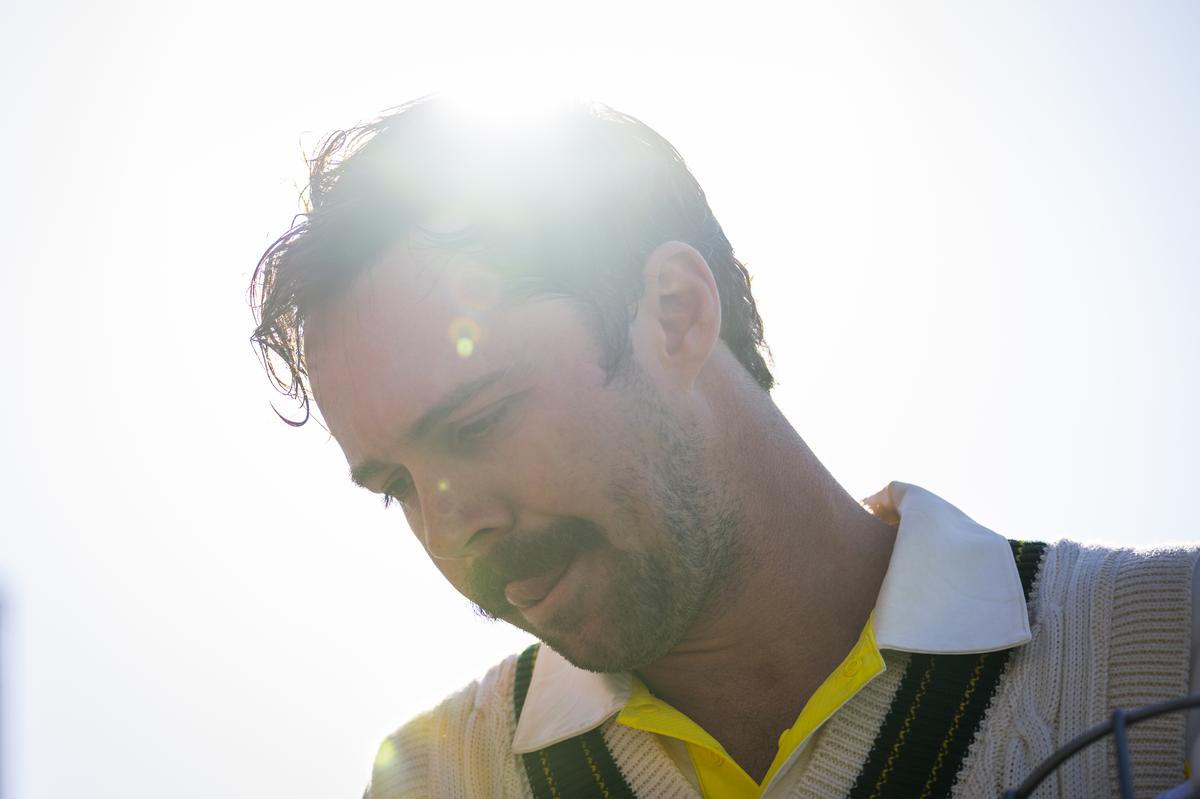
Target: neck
811,564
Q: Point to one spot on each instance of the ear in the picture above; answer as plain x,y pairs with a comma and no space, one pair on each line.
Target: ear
679,316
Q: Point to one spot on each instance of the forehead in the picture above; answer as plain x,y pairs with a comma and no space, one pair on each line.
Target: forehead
418,324
400,299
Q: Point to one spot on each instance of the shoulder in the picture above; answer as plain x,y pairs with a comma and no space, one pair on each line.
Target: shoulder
1109,628
1128,581
462,747
1131,599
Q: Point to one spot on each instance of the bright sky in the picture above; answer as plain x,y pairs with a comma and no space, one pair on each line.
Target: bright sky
975,231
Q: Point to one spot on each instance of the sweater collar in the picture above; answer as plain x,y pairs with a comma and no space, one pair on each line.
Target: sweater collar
966,598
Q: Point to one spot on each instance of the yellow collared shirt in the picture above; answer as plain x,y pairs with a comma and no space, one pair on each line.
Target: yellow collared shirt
719,775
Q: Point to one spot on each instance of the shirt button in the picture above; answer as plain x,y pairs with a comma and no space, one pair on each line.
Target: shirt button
853,667
713,758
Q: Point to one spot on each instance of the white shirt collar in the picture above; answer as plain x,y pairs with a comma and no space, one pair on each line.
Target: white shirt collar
564,701
951,587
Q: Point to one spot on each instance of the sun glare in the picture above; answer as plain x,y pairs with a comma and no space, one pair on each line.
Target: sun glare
513,95
998,218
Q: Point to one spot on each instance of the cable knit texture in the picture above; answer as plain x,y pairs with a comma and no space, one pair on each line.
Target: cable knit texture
1110,628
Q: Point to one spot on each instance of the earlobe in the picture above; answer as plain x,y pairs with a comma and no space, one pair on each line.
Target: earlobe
681,308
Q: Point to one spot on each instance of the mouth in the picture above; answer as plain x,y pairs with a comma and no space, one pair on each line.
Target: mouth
529,592
525,574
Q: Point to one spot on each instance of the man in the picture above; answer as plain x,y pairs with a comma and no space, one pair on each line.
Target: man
534,337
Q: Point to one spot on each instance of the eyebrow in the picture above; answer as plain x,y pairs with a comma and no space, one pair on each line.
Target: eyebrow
431,418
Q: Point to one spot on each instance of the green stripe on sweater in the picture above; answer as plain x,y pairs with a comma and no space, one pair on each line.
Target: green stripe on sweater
577,767
935,714
921,745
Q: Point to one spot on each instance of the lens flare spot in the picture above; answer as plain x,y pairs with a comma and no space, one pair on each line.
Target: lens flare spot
464,335
385,755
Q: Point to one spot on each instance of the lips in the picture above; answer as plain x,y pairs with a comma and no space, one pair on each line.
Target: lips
522,569
527,592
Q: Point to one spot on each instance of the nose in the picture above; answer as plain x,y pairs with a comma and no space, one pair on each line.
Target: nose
456,516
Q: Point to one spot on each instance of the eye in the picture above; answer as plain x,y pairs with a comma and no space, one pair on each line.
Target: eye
398,490
478,428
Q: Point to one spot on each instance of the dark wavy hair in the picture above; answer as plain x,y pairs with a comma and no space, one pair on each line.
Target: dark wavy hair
568,203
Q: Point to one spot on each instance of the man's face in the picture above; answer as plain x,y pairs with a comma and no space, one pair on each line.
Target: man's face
575,510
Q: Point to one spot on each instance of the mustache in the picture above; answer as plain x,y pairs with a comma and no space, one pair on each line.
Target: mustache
527,555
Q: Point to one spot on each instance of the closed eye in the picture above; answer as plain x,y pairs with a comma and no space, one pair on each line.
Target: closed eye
398,490
479,428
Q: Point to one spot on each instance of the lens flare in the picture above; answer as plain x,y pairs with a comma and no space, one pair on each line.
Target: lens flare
464,335
385,755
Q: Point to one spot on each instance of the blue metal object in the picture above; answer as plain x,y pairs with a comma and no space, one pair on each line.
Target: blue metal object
1121,738
1116,726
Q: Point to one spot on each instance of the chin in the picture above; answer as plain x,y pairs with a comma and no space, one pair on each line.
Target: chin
590,657
608,652
625,636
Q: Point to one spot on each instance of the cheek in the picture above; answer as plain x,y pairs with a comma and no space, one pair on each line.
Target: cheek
569,457
544,475
455,571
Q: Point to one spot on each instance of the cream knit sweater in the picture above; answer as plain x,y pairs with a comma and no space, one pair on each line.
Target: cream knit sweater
1111,628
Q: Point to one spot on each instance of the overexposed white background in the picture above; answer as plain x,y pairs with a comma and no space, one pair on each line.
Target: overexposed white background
975,235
